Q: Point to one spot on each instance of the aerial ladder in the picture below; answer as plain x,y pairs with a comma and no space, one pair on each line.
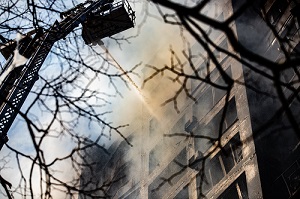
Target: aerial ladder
99,19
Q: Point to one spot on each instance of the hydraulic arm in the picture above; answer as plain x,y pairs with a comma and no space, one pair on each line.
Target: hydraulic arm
17,84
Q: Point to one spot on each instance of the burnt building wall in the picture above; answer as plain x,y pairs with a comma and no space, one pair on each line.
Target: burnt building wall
249,151
275,133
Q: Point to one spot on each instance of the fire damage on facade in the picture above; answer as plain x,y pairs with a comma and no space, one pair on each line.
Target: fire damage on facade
259,152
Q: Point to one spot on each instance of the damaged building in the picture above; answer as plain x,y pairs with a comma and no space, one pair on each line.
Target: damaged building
237,145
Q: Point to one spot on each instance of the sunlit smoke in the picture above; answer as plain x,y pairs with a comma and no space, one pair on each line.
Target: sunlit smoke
137,90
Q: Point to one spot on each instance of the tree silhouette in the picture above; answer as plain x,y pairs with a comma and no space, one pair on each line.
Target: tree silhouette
67,95
262,39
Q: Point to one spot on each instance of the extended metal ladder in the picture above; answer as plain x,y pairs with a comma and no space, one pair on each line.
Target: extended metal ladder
15,89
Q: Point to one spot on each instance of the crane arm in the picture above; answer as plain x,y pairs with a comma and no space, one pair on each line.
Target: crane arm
17,85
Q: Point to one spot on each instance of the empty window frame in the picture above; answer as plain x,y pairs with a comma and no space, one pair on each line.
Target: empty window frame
212,129
276,11
288,183
220,165
220,55
153,127
155,156
237,190
207,69
210,96
183,194
289,29
169,176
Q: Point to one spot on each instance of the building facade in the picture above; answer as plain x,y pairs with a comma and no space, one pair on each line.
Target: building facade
226,145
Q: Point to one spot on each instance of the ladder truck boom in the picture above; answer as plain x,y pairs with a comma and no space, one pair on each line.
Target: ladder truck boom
92,15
